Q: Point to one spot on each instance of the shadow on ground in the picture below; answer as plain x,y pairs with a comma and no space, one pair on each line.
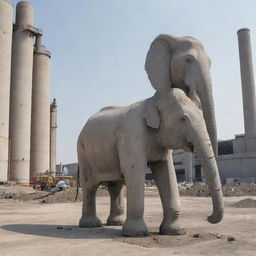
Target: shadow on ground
64,231
154,239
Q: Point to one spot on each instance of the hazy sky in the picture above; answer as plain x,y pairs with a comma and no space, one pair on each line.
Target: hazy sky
99,46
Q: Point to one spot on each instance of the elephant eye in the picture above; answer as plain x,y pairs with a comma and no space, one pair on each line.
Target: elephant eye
189,59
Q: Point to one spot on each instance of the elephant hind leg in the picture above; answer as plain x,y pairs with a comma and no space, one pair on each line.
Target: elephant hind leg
116,192
89,218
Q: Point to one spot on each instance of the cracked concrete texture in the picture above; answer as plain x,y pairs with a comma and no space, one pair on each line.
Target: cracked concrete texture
52,229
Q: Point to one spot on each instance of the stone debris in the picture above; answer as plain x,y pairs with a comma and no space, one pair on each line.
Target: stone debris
231,239
201,189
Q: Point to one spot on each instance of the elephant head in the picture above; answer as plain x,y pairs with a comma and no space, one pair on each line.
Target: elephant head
180,125
181,62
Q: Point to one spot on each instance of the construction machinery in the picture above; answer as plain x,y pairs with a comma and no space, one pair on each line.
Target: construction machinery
48,182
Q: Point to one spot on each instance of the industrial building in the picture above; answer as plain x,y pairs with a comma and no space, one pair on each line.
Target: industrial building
27,121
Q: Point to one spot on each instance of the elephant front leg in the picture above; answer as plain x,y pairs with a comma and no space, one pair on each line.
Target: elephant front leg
165,177
116,192
134,224
89,218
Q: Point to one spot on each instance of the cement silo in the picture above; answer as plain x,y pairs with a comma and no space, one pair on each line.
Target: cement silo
53,136
6,18
40,118
21,89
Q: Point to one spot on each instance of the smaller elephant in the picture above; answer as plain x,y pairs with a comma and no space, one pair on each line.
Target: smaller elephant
118,144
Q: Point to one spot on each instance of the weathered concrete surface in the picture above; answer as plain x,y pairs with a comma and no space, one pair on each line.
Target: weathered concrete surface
20,96
6,17
31,229
40,118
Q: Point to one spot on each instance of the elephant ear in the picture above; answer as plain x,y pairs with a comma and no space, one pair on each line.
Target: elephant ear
158,60
152,114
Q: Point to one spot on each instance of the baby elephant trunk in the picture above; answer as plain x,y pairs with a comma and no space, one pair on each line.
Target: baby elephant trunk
211,173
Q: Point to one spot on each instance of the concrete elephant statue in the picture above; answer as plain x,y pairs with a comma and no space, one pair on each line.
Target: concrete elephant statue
182,62
118,144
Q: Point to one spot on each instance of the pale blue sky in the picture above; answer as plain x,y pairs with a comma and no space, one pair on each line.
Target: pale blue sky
99,46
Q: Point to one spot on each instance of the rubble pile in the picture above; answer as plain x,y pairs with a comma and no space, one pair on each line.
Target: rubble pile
245,203
10,190
22,193
201,189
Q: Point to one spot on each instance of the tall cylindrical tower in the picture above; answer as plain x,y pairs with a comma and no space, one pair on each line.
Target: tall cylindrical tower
20,97
40,118
53,136
6,17
247,78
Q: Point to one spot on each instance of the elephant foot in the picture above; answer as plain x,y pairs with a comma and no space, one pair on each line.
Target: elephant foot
115,221
90,222
134,228
173,230
215,218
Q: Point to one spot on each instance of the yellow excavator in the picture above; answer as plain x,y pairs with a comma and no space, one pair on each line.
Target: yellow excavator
48,182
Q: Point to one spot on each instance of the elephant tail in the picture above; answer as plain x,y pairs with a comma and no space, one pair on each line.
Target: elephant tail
77,183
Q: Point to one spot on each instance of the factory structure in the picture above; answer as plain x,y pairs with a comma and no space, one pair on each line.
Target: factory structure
27,119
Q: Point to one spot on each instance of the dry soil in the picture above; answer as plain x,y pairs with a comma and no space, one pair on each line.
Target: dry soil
35,228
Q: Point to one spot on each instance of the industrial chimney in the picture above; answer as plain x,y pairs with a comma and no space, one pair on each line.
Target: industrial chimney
247,79
53,136
6,17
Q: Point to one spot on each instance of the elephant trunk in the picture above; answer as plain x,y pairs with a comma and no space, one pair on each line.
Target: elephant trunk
206,98
206,155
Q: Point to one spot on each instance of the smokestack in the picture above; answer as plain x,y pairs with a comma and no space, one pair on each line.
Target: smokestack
53,136
6,17
20,96
247,79
40,118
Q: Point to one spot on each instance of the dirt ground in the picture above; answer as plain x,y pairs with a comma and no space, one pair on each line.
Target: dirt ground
36,228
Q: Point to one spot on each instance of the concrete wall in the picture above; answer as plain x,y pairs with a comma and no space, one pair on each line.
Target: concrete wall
6,19
237,166
244,145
